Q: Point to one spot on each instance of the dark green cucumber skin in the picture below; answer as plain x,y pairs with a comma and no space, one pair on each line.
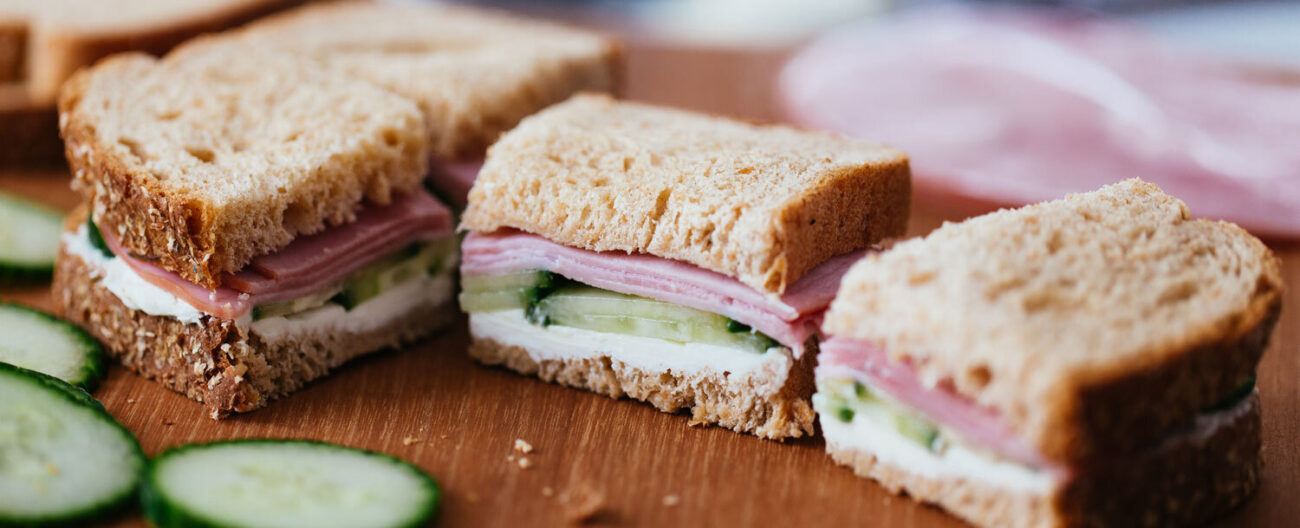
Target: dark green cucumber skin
94,366
95,512
18,275
161,513
1233,398
97,238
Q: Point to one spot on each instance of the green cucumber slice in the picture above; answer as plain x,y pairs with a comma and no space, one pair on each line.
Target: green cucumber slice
413,261
582,306
301,304
63,459
97,238
255,483
39,341
507,291
29,240
847,399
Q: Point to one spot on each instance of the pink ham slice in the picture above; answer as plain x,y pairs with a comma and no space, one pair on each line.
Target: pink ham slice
1009,108
790,319
841,357
310,263
454,179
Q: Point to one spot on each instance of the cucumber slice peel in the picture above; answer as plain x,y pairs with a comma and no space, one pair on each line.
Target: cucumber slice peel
63,459
590,308
252,483
507,291
29,240
848,400
39,341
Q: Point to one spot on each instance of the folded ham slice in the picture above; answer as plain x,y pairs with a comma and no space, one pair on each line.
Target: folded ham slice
310,263
840,357
790,318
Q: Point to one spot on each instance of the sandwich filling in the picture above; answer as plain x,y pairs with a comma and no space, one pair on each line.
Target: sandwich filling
550,284
393,256
452,180
873,404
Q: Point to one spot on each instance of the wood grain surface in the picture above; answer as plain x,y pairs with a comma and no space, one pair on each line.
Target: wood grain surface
616,462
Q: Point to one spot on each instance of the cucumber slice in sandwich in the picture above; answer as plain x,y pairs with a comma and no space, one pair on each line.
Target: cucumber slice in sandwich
253,483
29,240
506,291
591,308
414,261
63,459
39,341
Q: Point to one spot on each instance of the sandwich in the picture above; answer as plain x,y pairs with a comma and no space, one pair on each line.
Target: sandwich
1088,361
669,257
42,42
474,73
250,221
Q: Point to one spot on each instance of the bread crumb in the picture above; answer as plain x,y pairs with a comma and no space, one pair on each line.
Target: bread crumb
444,437
410,440
522,446
547,491
582,505
524,463
130,400
671,500
167,422
510,458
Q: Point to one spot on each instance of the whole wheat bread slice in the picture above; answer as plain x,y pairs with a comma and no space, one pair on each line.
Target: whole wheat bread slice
42,42
206,159
763,204
1092,324
224,365
473,72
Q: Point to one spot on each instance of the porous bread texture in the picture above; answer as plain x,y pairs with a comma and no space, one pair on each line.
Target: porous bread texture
1189,480
1091,324
42,42
750,405
217,362
763,204
474,73
207,158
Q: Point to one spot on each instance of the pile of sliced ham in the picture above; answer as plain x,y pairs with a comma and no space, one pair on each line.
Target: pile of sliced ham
789,319
1012,108
310,263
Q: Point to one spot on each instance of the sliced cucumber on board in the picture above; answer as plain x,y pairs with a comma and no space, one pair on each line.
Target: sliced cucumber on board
63,459
591,308
39,341
29,240
255,483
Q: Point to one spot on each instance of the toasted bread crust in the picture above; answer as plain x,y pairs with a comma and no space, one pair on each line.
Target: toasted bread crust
763,204
1187,482
214,361
709,397
201,218
1093,325
481,86
1117,412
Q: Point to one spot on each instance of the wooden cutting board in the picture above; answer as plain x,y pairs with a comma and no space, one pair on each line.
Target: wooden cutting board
613,462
